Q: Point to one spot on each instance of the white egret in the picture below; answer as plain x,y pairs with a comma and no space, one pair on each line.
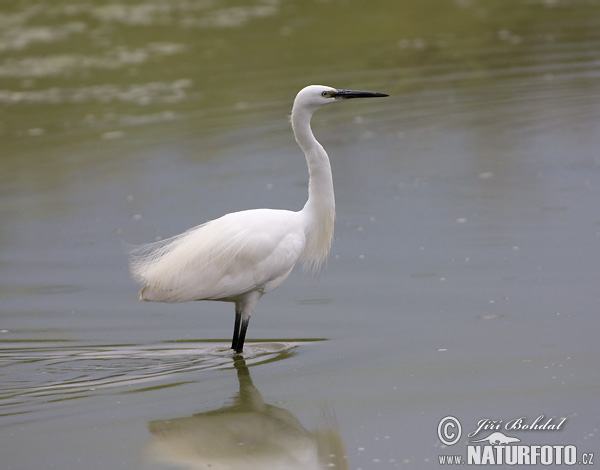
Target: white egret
243,255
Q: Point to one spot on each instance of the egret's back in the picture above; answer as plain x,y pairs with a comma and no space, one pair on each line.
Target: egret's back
222,259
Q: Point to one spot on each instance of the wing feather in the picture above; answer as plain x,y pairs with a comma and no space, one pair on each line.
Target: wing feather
219,260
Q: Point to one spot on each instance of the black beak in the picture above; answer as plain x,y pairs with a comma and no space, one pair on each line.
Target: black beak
347,94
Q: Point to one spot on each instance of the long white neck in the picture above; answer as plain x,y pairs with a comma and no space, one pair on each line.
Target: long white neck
319,210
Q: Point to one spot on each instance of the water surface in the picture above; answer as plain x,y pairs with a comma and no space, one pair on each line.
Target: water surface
463,279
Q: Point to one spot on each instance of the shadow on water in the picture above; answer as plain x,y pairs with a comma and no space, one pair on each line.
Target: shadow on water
59,373
247,434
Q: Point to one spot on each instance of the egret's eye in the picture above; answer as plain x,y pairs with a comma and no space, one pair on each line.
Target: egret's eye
325,94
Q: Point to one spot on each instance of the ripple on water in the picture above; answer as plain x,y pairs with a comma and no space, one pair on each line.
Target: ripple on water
31,377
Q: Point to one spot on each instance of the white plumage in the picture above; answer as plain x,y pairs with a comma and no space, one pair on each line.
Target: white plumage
243,255
222,259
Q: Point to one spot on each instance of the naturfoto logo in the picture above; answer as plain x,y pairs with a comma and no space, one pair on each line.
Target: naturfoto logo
492,442
497,439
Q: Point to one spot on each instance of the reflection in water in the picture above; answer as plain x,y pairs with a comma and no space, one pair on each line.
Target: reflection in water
247,434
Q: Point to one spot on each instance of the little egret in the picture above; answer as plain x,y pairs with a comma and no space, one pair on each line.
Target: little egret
243,255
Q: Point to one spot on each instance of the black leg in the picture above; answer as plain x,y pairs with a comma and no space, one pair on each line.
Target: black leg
240,342
236,330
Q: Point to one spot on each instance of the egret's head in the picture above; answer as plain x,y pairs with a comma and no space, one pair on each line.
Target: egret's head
315,96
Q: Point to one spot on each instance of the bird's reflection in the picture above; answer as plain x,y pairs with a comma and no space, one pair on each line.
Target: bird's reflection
249,434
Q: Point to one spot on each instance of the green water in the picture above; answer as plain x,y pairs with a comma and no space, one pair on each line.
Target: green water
463,278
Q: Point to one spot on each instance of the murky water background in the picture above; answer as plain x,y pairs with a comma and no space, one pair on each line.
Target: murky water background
463,279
